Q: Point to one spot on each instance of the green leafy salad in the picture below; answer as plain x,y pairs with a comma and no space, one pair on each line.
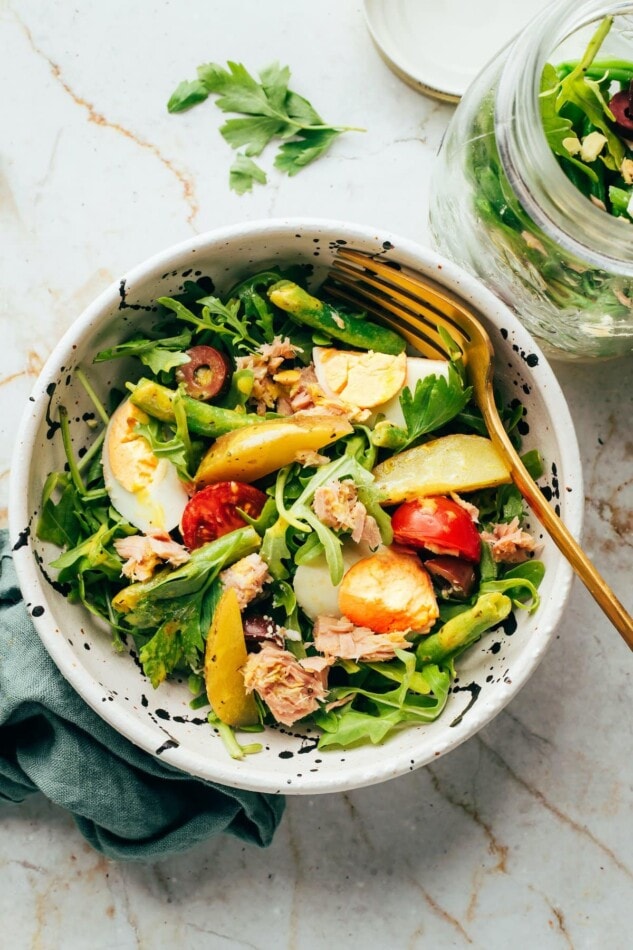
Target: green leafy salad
587,114
290,511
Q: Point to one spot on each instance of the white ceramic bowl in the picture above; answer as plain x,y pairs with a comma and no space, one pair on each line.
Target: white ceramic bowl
160,721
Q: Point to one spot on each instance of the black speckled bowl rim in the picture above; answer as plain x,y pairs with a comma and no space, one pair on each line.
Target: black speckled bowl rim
291,763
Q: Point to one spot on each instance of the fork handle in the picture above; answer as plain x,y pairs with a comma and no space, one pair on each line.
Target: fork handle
560,534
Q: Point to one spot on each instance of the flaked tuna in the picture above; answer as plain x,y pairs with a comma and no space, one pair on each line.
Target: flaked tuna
291,688
265,364
339,638
143,553
247,576
509,543
338,506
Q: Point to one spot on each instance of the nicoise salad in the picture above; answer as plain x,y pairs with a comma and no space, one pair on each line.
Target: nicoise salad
294,512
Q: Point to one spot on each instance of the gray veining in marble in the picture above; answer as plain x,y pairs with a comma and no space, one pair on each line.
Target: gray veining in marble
523,836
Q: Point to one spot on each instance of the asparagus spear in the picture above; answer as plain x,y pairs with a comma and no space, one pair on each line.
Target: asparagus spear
315,313
202,418
461,631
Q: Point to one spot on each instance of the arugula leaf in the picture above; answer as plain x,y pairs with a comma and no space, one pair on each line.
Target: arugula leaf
90,554
243,173
230,320
58,521
229,323
387,709
556,126
585,93
177,605
295,512
520,583
275,549
160,355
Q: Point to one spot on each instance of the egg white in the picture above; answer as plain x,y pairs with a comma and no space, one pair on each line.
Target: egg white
315,592
417,368
145,490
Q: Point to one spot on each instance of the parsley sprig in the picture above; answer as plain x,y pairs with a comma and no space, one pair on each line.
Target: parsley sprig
269,110
435,401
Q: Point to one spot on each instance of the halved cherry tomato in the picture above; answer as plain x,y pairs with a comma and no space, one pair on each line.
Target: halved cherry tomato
205,374
212,511
437,524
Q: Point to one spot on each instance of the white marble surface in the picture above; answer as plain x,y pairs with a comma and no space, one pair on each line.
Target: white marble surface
524,835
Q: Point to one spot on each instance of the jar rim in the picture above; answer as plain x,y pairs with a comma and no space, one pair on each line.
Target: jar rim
553,202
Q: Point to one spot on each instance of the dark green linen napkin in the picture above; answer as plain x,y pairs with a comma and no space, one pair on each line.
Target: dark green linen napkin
127,803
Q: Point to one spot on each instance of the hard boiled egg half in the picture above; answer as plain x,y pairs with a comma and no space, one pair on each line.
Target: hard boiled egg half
315,592
362,379
372,380
144,489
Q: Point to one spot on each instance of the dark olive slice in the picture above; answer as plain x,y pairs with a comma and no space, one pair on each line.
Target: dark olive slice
260,627
620,106
206,373
453,576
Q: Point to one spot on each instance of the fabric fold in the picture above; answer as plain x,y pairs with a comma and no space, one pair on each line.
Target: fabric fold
126,803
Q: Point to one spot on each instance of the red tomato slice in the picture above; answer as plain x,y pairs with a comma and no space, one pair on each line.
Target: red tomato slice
437,524
212,511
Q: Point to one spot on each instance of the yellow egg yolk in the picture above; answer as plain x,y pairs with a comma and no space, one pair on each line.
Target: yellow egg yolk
361,379
132,461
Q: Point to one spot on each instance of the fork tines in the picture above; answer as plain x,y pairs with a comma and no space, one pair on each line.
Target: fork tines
389,291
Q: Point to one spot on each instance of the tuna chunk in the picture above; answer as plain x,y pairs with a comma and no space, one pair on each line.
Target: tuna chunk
338,637
265,364
337,505
303,393
472,510
290,688
247,577
143,553
509,543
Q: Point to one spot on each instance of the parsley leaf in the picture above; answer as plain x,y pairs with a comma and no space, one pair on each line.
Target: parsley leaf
187,95
295,155
269,110
301,110
237,90
435,402
243,173
255,133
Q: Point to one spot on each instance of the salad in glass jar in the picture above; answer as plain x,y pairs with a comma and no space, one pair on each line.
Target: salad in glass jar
537,151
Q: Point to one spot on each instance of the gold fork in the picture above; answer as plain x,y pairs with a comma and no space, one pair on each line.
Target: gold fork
416,307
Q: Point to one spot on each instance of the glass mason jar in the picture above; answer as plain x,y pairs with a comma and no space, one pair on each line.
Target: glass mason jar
502,207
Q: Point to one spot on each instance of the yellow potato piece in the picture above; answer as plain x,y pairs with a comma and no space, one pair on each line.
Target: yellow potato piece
224,659
245,455
452,463
364,380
